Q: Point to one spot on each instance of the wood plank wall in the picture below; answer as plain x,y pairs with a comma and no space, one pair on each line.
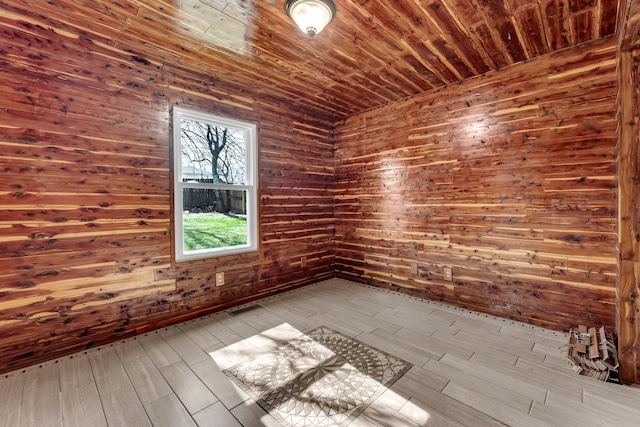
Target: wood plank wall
628,321
507,178
85,220
629,190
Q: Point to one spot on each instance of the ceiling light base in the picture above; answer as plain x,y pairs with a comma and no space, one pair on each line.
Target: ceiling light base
311,16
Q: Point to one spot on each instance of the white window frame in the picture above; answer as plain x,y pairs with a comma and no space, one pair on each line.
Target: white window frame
250,185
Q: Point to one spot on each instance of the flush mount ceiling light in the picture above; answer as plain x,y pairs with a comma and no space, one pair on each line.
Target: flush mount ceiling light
311,15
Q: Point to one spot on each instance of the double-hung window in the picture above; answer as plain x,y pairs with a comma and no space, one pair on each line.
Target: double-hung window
215,195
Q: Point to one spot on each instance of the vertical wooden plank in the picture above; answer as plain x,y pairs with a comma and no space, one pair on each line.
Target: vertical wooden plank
502,18
629,18
628,324
531,24
608,16
583,26
556,16
628,302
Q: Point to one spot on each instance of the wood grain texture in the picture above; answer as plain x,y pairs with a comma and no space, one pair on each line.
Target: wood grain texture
373,52
85,216
509,179
629,21
628,162
511,175
477,370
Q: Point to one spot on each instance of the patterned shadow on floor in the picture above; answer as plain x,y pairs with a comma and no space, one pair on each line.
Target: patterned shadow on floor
323,378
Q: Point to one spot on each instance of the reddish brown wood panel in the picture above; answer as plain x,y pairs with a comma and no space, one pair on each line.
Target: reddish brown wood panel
628,289
85,252
628,321
373,52
509,179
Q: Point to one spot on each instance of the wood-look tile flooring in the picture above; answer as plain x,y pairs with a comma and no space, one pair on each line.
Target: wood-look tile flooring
469,369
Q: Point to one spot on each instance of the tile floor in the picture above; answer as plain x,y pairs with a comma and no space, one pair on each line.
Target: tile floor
318,378
468,369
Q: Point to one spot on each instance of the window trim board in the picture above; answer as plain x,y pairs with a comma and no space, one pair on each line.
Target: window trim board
250,186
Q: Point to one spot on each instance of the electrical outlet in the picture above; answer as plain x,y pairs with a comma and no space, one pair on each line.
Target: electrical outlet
220,279
414,268
303,261
448,274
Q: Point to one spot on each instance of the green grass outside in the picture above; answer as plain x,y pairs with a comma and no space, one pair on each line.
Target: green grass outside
213,230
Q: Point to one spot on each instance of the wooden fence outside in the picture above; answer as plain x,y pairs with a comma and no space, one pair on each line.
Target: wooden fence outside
208,200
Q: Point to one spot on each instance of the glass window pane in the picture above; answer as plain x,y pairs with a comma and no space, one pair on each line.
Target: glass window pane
212,153
213,218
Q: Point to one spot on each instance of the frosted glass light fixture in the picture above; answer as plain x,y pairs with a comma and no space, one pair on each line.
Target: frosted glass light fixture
311,15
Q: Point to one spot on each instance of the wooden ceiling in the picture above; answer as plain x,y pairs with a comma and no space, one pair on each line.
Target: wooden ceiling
374,51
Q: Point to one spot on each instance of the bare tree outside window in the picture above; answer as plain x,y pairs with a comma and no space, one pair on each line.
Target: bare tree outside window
215,193
216,154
